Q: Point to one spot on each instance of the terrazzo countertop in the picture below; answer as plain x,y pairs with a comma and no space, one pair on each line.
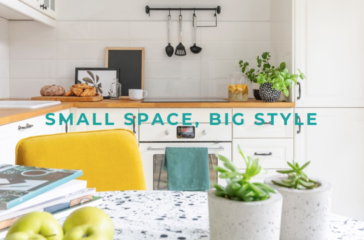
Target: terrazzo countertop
183,215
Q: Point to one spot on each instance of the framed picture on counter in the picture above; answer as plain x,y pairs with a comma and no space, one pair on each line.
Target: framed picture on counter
100,78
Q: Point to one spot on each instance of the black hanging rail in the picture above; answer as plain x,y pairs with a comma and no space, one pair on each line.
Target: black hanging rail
148,9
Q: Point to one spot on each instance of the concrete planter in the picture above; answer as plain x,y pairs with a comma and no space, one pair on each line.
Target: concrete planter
305,213
235,220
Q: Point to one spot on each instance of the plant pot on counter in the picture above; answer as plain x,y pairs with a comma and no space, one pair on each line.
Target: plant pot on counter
268,94
235,220
305,213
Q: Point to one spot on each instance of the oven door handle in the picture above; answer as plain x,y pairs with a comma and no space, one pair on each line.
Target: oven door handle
158,149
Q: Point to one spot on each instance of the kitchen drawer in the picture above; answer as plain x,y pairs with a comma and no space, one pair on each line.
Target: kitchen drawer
278,130
201,115
276,152
204,133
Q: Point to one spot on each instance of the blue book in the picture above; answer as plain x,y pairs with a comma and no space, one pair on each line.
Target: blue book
21,183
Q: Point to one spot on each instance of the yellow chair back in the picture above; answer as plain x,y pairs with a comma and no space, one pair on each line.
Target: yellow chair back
110,159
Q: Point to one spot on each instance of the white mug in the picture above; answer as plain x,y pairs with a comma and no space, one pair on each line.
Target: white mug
137,94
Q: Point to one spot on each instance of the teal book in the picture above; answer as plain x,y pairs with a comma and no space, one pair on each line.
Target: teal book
19,184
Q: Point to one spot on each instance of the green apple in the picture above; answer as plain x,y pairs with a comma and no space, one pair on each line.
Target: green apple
25,236
91,216
41,223
85,232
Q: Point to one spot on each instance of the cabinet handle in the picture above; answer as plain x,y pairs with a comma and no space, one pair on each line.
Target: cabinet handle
299,91
43,6
204,132
26,126
263,154
134,117
265,123
299,126
166,132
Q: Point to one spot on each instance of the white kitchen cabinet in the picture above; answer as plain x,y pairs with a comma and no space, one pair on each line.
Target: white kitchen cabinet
328,48
47,7
115,116
11,134
335,149
267,130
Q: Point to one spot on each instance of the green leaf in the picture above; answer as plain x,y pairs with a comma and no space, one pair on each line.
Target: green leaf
222,158
282,66
91,74
285,171
286,92
281,184
305,165
219,187
266,187
87,80
265,55
231,166
219,169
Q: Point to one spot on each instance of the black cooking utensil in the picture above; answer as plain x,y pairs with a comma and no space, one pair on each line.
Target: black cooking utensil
169,48
194,48
180,49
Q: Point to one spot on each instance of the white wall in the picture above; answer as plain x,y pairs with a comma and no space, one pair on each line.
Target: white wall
4,58
40,55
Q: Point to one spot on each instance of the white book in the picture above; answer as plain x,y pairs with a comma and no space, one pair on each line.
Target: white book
61,191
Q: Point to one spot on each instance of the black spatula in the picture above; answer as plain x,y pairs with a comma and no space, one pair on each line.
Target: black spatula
180,49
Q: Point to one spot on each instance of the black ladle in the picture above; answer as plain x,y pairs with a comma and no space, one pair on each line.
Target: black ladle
194,48
169,48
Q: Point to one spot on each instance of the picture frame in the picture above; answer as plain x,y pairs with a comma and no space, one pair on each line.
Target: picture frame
131,62
101,78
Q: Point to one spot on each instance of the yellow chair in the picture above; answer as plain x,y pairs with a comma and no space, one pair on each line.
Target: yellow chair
110,159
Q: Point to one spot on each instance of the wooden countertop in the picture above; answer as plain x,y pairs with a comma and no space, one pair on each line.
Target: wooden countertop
13,115
10,115
251,103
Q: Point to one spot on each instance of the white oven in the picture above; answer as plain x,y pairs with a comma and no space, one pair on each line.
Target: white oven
154,140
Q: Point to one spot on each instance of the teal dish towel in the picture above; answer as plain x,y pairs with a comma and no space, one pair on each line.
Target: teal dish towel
187,168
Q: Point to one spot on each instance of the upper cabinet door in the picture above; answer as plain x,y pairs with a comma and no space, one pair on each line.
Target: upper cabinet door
36,4
50,8
328,48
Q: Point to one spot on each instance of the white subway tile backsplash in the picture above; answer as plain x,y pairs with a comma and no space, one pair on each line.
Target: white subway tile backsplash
164,69
238,31
112,31
33,69
41,55
75,30
31,30
66,68
33,49
233,49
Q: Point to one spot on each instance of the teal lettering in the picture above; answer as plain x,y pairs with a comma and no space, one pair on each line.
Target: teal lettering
272,115
94,120
215,117
258,117
69,119
169,119
285,119
107,123
297,123
140,120
311,117
129,117
82,119
226,118
157,119
185,118
49,118
242,120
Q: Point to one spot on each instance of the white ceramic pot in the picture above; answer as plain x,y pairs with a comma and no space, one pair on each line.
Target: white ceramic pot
235,220
306,213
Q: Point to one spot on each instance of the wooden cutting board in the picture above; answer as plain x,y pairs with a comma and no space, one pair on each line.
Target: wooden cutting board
69,99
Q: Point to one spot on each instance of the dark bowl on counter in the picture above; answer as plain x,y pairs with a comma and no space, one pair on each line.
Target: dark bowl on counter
257,94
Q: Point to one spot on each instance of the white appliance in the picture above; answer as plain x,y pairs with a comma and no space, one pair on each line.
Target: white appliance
154,140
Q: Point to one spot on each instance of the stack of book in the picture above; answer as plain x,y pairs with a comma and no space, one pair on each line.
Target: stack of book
29,189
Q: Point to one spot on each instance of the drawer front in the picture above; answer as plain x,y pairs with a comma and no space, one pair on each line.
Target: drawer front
198,115
278,130
272,153
203,133
36,123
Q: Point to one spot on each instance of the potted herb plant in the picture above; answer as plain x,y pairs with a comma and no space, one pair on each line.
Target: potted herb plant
272,80
242,209
306,204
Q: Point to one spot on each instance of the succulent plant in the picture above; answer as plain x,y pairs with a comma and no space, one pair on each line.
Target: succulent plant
239,187
296,179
